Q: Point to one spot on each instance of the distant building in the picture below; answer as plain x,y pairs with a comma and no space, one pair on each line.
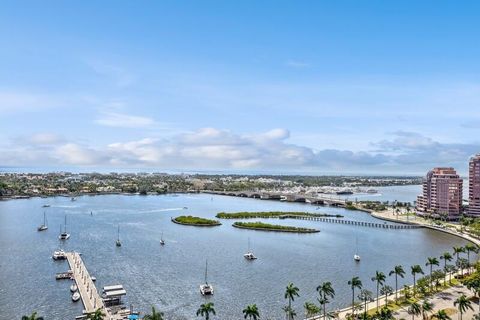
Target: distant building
441,195
474,186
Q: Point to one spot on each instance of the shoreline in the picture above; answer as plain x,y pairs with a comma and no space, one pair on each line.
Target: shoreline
276,230
174,220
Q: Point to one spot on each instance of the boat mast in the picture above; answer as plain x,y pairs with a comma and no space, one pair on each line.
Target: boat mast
65,224
44,218
118,233
206,271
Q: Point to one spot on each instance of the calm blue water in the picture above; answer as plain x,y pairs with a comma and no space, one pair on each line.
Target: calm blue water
168,277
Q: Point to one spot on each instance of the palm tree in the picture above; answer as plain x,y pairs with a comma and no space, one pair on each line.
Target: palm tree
398,272
441,315
205,310
290,293
325,291
386,291
463,304
427,306
431,261
470,248
291,314
446,256
251,311
365,295
450,270
456,252
33,316
355,282
154,316
380,279
96,315
414,309
415,270
310,309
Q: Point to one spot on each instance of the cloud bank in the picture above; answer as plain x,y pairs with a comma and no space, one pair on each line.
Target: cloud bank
212,148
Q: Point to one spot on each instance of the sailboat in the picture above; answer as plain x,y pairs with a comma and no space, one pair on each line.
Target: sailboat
249,255
44,226
118,243
162,242
206,289
64,235
356,257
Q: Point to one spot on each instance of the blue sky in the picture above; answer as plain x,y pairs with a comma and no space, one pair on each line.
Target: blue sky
284,86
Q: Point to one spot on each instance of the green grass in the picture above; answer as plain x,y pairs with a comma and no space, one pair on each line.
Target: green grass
272,227
196,221
271,214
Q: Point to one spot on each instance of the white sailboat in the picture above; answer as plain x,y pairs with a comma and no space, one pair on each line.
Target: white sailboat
249,255
64,235
206,289
44,226
356,256
162,242
118,243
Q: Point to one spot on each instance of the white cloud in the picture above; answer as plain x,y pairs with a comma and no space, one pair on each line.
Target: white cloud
114,119
211,148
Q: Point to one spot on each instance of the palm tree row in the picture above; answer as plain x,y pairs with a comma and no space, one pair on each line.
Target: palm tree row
326,292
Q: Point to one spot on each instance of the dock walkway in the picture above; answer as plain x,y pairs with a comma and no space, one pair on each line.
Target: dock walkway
90,297
353,222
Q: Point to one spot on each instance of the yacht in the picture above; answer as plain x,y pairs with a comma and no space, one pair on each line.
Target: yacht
64,235
59,255
118,243
249,255
75,296
206,289
73,287
44,226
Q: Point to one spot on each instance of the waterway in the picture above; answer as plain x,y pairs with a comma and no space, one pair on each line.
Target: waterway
168,277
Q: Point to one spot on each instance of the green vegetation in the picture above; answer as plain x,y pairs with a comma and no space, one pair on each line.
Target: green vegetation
271,214
33,316
155,315
272,227
196,221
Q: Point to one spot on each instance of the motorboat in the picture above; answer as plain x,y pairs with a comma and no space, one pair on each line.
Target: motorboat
73,287
356,257
46,206
43,226
206,289
59,255
76,296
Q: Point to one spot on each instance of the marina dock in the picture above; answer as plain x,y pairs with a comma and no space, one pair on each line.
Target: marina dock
91,299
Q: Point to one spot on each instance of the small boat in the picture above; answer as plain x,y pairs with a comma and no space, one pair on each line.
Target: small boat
162,242
44,226
64,235
73,199
206,289
185,208
59,255
76,296
46,206
93,278
249,255
73,287
118,243
356,257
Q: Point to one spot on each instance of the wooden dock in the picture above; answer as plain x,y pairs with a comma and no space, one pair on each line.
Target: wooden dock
90,297
354,222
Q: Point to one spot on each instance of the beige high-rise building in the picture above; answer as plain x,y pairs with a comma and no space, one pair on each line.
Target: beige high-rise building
474,186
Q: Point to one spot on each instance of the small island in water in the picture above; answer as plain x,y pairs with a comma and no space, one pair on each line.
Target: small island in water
272,214
196,221
272,227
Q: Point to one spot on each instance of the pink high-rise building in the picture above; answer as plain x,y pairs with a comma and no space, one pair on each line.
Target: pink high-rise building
474,186
441,195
